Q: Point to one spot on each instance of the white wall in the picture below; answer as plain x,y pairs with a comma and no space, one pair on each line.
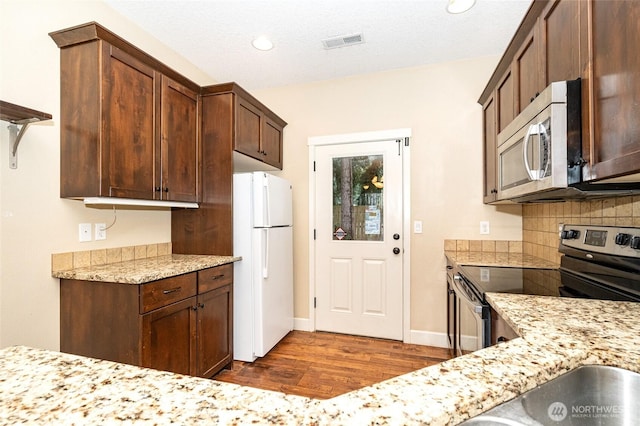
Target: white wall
34,221
439,104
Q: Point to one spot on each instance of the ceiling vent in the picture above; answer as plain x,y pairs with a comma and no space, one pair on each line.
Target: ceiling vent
342,41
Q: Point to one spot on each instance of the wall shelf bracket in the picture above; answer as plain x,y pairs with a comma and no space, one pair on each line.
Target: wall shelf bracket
19,118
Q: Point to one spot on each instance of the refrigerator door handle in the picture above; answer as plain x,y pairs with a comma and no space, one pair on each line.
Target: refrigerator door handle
267,206
265,254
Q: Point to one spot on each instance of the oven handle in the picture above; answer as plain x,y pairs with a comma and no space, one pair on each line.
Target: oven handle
458,283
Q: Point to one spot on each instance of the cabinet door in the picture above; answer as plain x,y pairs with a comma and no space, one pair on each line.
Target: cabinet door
272,142
168,337
614,145
248,129
560,41
129,126
490,150
179,148
506,101
215,330
528,72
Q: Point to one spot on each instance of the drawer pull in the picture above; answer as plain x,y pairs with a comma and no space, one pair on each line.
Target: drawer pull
217,277
171,290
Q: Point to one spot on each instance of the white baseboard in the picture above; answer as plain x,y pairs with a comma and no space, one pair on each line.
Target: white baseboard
416,337
302,324
428,338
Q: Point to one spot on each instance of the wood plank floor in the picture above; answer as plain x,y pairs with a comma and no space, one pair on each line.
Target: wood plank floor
323,365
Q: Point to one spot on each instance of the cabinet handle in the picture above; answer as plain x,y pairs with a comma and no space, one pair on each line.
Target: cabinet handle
200,305
264,152
166,189
217,277
195,308
158,189
171,290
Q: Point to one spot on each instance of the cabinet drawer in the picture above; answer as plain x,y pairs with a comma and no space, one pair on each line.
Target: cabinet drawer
212,278
164,292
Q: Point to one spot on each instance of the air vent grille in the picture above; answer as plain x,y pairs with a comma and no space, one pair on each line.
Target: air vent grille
342,41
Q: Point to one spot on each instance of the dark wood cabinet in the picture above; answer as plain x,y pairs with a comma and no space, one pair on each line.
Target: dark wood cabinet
179,156
258,131
129,124
527,68
169,337
565,40
233,124
489,113
182,324
612,144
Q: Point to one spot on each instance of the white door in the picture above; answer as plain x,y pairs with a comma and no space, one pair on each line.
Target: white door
358,246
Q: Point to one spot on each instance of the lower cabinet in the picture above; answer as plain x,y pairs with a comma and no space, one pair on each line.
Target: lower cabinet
182,324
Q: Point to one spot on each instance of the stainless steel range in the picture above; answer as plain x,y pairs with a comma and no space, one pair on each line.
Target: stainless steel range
598,262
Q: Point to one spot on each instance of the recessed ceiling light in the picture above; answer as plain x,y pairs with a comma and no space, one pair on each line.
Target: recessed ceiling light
262,43
460,6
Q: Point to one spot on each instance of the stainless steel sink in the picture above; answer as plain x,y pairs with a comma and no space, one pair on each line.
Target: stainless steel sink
588,395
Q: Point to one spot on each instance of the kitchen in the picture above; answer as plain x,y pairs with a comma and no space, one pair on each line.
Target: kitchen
445,93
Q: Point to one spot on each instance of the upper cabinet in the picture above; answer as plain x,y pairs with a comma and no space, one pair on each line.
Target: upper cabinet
258,131
611,109
565,40
129,123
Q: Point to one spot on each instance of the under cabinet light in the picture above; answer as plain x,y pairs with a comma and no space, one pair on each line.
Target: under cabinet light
88,201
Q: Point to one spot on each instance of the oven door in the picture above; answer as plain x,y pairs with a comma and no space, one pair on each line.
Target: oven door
473,318
585,279
451,312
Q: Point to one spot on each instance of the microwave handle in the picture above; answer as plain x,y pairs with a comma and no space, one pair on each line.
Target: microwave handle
533,129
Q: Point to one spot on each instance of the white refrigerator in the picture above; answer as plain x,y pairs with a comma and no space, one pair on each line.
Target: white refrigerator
263,279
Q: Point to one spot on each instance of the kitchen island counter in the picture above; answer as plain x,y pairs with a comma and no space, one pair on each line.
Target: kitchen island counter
46,387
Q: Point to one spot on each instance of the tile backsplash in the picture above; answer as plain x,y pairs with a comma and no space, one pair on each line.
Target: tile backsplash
485,246
79,259
541,222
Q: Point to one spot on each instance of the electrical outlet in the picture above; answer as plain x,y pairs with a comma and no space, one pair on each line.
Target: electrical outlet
84,232
101,231
484,227
417,227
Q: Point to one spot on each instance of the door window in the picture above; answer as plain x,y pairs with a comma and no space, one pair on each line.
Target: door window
358,193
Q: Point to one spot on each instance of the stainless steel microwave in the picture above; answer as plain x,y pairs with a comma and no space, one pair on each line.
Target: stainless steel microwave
539,152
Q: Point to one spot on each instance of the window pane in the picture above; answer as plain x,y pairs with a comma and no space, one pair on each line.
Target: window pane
358,185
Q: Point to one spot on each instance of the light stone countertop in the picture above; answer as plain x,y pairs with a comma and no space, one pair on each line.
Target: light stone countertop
558,335
514,260
141,271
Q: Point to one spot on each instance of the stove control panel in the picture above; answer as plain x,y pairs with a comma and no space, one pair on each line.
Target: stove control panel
619,241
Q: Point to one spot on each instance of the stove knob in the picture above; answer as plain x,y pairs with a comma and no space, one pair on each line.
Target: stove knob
623,239
635,243
569,234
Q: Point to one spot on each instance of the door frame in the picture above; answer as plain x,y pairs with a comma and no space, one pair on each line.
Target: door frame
361,137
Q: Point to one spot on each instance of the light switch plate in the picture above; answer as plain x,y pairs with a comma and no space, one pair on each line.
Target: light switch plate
84,232
484,227
417,227
101,231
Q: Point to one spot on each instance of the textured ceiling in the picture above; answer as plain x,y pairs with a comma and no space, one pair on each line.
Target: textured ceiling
216,35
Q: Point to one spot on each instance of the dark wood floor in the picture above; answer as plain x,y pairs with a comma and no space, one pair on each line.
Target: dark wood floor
323,365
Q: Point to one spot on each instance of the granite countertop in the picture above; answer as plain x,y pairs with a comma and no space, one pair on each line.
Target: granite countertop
141,271
516,260
45,387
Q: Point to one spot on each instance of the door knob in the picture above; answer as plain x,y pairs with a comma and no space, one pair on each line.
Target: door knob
396,250
396,236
